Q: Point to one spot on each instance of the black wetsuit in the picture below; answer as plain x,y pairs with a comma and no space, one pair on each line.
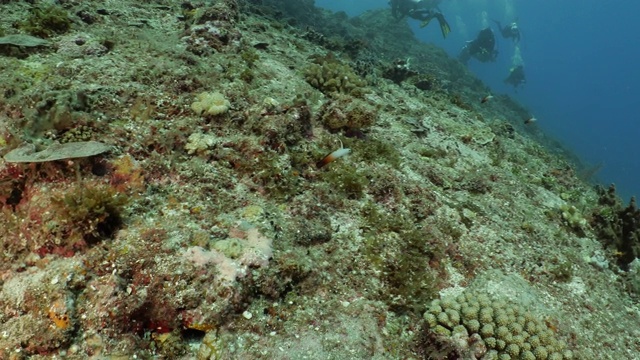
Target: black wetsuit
482,47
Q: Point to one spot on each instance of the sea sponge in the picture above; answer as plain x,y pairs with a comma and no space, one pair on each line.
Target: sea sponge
210,103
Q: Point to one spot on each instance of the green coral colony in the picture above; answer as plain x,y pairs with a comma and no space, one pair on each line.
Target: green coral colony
507,330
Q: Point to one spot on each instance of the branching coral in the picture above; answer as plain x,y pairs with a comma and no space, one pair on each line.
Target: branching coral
618,227
47,21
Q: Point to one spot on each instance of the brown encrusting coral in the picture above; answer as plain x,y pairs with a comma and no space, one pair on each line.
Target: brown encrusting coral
160,195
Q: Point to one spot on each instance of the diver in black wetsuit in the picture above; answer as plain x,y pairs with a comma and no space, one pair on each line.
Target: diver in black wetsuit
509,31
516,76
482,47
423,10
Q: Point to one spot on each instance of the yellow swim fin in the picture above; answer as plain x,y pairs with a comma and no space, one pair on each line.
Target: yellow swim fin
444,26
426,22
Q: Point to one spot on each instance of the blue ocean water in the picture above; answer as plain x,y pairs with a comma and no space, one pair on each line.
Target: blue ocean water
582,64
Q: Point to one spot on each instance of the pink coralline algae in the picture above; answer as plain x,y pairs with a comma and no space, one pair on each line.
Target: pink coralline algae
255,252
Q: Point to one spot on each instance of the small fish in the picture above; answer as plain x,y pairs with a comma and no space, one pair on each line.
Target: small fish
530,120
342,151
486,98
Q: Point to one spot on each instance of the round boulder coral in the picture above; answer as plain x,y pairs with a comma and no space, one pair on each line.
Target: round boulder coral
506,330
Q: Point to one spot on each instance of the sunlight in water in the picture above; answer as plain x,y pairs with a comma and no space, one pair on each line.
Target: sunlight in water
516,59
509,11
461,27
484,19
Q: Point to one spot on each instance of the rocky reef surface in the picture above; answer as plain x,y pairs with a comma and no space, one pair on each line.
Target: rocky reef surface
166,193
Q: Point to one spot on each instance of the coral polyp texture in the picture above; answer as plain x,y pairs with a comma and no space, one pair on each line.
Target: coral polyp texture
473,325
210,103
332,77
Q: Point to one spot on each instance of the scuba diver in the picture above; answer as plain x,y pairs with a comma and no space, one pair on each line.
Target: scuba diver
482,47
423,10
509,31
516,76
